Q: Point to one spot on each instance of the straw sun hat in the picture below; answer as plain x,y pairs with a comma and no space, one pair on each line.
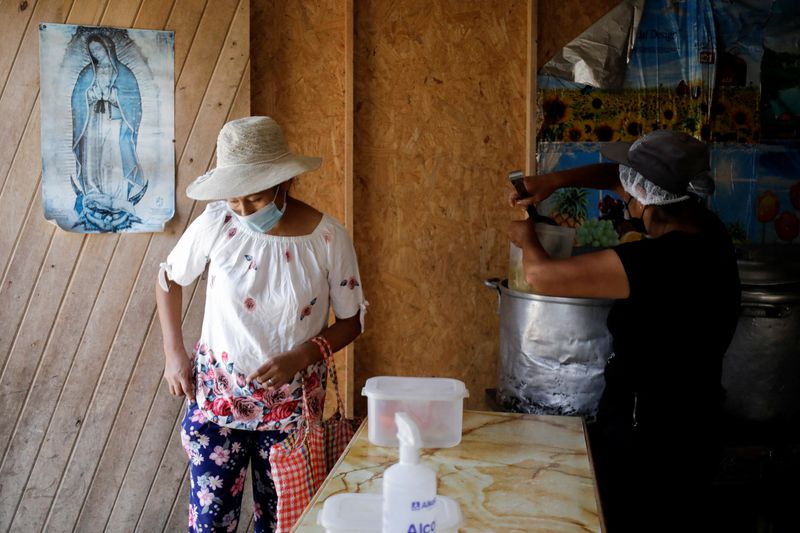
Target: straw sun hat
252,156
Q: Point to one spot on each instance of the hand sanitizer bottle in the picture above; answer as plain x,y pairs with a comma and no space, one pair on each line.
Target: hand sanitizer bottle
409,488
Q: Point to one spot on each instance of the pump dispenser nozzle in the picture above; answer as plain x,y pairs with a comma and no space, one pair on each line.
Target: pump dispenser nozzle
409,437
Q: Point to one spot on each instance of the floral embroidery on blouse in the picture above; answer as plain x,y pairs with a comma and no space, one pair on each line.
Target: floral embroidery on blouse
250,304
251,263
351,283
306,311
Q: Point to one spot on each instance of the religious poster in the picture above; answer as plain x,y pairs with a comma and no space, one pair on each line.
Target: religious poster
107,116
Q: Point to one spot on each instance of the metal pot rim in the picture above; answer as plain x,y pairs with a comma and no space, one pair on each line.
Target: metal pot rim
502,287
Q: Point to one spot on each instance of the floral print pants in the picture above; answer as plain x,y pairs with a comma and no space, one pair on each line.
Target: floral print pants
218,460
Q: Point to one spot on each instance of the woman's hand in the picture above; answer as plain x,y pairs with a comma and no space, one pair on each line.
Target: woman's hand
521,232
538,187
178,373
281,368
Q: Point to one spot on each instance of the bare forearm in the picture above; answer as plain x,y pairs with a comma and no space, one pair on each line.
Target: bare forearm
169,315
598,176
339,334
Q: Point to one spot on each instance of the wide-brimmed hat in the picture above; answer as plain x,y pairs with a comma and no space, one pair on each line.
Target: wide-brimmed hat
252,156
670,159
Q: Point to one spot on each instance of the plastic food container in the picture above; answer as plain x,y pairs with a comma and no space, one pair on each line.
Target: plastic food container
361,513
435,404
557,241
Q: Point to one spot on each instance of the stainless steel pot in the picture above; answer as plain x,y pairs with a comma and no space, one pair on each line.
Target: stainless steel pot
761,369
552,352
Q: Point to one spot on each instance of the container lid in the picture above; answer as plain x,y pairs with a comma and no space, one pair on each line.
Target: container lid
359,513
396,387
362,513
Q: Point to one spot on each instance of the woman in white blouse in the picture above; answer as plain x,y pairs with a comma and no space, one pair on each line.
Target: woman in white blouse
275,265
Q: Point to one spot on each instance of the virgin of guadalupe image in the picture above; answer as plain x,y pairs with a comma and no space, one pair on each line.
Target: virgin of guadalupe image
106,115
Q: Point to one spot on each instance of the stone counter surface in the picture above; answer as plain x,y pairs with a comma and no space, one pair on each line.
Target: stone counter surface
511,472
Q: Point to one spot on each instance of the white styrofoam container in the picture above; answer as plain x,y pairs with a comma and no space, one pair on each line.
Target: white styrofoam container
352,512
435,404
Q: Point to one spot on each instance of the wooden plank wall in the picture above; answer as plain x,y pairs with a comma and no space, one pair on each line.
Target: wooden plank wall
89,437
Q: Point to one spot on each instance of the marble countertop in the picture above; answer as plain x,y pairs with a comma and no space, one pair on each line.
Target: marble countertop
511,472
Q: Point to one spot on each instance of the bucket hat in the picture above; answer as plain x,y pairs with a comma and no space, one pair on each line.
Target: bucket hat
252,156
671,159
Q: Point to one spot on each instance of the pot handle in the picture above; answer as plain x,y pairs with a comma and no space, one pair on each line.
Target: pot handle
765,310
494,283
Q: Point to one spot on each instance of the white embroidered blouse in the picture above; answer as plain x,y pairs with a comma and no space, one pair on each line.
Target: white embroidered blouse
266,294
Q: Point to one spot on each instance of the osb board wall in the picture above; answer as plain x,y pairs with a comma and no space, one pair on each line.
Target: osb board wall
298,51
439,93
560,21
439,121
89,435
299,77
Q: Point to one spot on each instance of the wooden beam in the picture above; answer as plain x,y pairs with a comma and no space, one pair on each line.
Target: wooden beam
349,352
531,108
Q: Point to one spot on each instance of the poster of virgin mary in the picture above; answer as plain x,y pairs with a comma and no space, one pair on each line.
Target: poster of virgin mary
107,128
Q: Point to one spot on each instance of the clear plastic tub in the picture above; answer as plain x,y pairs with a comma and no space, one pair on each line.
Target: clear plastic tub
557,241
435,404
361,513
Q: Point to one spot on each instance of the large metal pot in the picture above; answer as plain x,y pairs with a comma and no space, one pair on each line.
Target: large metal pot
552,352
761,369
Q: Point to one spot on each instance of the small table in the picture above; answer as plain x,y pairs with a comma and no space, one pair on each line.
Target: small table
511,472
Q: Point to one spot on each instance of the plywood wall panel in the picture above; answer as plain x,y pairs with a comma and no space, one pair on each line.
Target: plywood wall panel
439,120
298,51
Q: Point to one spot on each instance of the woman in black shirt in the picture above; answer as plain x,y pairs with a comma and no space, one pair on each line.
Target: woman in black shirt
676,308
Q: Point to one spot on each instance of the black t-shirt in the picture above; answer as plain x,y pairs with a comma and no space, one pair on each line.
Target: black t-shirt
671,333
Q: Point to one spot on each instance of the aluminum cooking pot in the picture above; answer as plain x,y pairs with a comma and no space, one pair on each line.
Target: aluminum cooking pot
553,351
761,369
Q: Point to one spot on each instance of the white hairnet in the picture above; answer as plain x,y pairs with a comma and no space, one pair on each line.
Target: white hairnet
645,191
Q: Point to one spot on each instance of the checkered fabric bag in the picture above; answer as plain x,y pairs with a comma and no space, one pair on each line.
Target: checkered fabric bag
300,462
338,430
298,467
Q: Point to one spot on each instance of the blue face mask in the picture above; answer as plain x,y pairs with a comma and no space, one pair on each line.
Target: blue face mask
265,218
